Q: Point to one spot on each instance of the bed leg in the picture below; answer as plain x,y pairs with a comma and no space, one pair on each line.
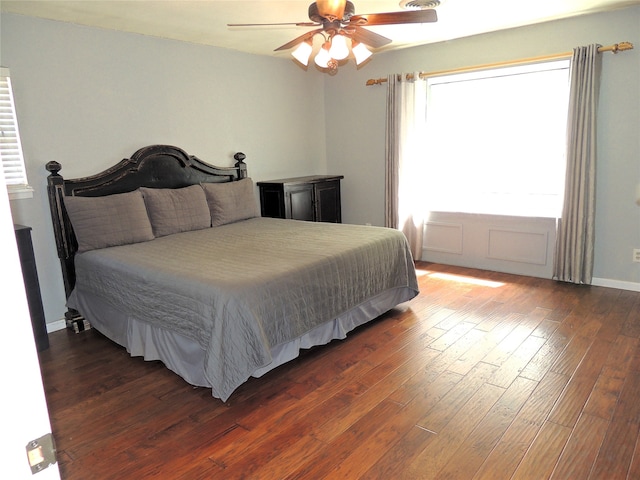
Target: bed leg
75,321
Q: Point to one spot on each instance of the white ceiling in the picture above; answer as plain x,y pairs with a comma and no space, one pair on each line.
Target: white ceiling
205,21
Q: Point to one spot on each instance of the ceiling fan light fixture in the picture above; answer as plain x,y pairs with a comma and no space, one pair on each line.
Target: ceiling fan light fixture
331,9
360,52
322,58
339,49
303,52
342,31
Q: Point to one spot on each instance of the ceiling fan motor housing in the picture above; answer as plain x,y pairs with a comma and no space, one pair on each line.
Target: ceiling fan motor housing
314,14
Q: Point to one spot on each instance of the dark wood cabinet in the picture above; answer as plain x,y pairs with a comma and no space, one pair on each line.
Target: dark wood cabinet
32,285
315,198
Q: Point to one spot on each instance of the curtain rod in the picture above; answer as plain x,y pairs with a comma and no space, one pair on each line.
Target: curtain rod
618,47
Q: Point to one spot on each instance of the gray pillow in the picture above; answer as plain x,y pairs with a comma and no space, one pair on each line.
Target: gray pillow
108,221
175,210
231,201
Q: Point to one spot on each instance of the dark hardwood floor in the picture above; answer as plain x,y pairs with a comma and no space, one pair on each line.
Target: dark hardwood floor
483,376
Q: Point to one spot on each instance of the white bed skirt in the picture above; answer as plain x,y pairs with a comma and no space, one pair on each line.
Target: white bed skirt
187,358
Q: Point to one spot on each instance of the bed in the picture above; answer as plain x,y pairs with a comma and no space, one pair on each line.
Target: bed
167,256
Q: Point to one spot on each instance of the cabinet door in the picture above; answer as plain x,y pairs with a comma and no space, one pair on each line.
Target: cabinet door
272,201
299,203
327,205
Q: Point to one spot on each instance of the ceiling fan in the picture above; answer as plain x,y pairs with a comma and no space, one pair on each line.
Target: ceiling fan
338,23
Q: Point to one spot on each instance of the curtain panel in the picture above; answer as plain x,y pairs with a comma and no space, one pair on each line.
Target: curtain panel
405,128
574,249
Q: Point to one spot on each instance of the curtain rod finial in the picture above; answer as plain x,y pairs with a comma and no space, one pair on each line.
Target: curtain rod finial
622,46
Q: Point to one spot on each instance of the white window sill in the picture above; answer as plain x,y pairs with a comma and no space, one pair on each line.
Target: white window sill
18,193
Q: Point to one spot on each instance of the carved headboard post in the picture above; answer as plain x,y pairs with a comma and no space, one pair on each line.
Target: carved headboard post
240,165
65,240
61,226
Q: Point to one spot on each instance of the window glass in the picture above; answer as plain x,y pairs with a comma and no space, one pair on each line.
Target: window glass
495,141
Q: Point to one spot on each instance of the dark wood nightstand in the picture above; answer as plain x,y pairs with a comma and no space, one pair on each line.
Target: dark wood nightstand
314,198
32,285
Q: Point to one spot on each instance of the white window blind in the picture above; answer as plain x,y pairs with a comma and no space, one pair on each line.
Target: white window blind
10,147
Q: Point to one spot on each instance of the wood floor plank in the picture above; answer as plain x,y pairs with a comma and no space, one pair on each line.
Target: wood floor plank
582,448
370,398
606,391
504,459
577,347
616,454
452,335
477,446
511,342
482,347
621,354
544,397
404,439
541,458
423,376
439,451
631,326
546,328
513,366
634,469
572,401
274,460
484,375
549,353
295,422
361,444
495,317
437,419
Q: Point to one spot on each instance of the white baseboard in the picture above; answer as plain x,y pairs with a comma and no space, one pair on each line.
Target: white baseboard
57,325
606,282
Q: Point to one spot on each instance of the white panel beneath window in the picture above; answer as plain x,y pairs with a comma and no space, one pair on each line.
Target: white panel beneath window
518,246
443,237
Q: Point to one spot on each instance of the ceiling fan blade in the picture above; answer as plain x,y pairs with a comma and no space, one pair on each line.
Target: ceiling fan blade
394,18
372,39
297,24
297,40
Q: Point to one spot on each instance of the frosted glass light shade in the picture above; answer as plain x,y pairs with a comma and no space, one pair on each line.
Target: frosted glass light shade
361,53
302,53
339,49
323,57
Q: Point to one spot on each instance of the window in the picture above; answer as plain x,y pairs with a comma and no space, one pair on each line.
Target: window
10,147
495,141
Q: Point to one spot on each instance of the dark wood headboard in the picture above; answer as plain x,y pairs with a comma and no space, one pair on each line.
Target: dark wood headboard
155,166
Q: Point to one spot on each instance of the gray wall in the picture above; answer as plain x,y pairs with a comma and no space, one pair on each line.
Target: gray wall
355,123
89,97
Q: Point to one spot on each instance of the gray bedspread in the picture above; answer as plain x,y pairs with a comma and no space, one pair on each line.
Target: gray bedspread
240,289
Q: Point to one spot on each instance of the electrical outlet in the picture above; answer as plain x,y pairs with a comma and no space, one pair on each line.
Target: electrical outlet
636,255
